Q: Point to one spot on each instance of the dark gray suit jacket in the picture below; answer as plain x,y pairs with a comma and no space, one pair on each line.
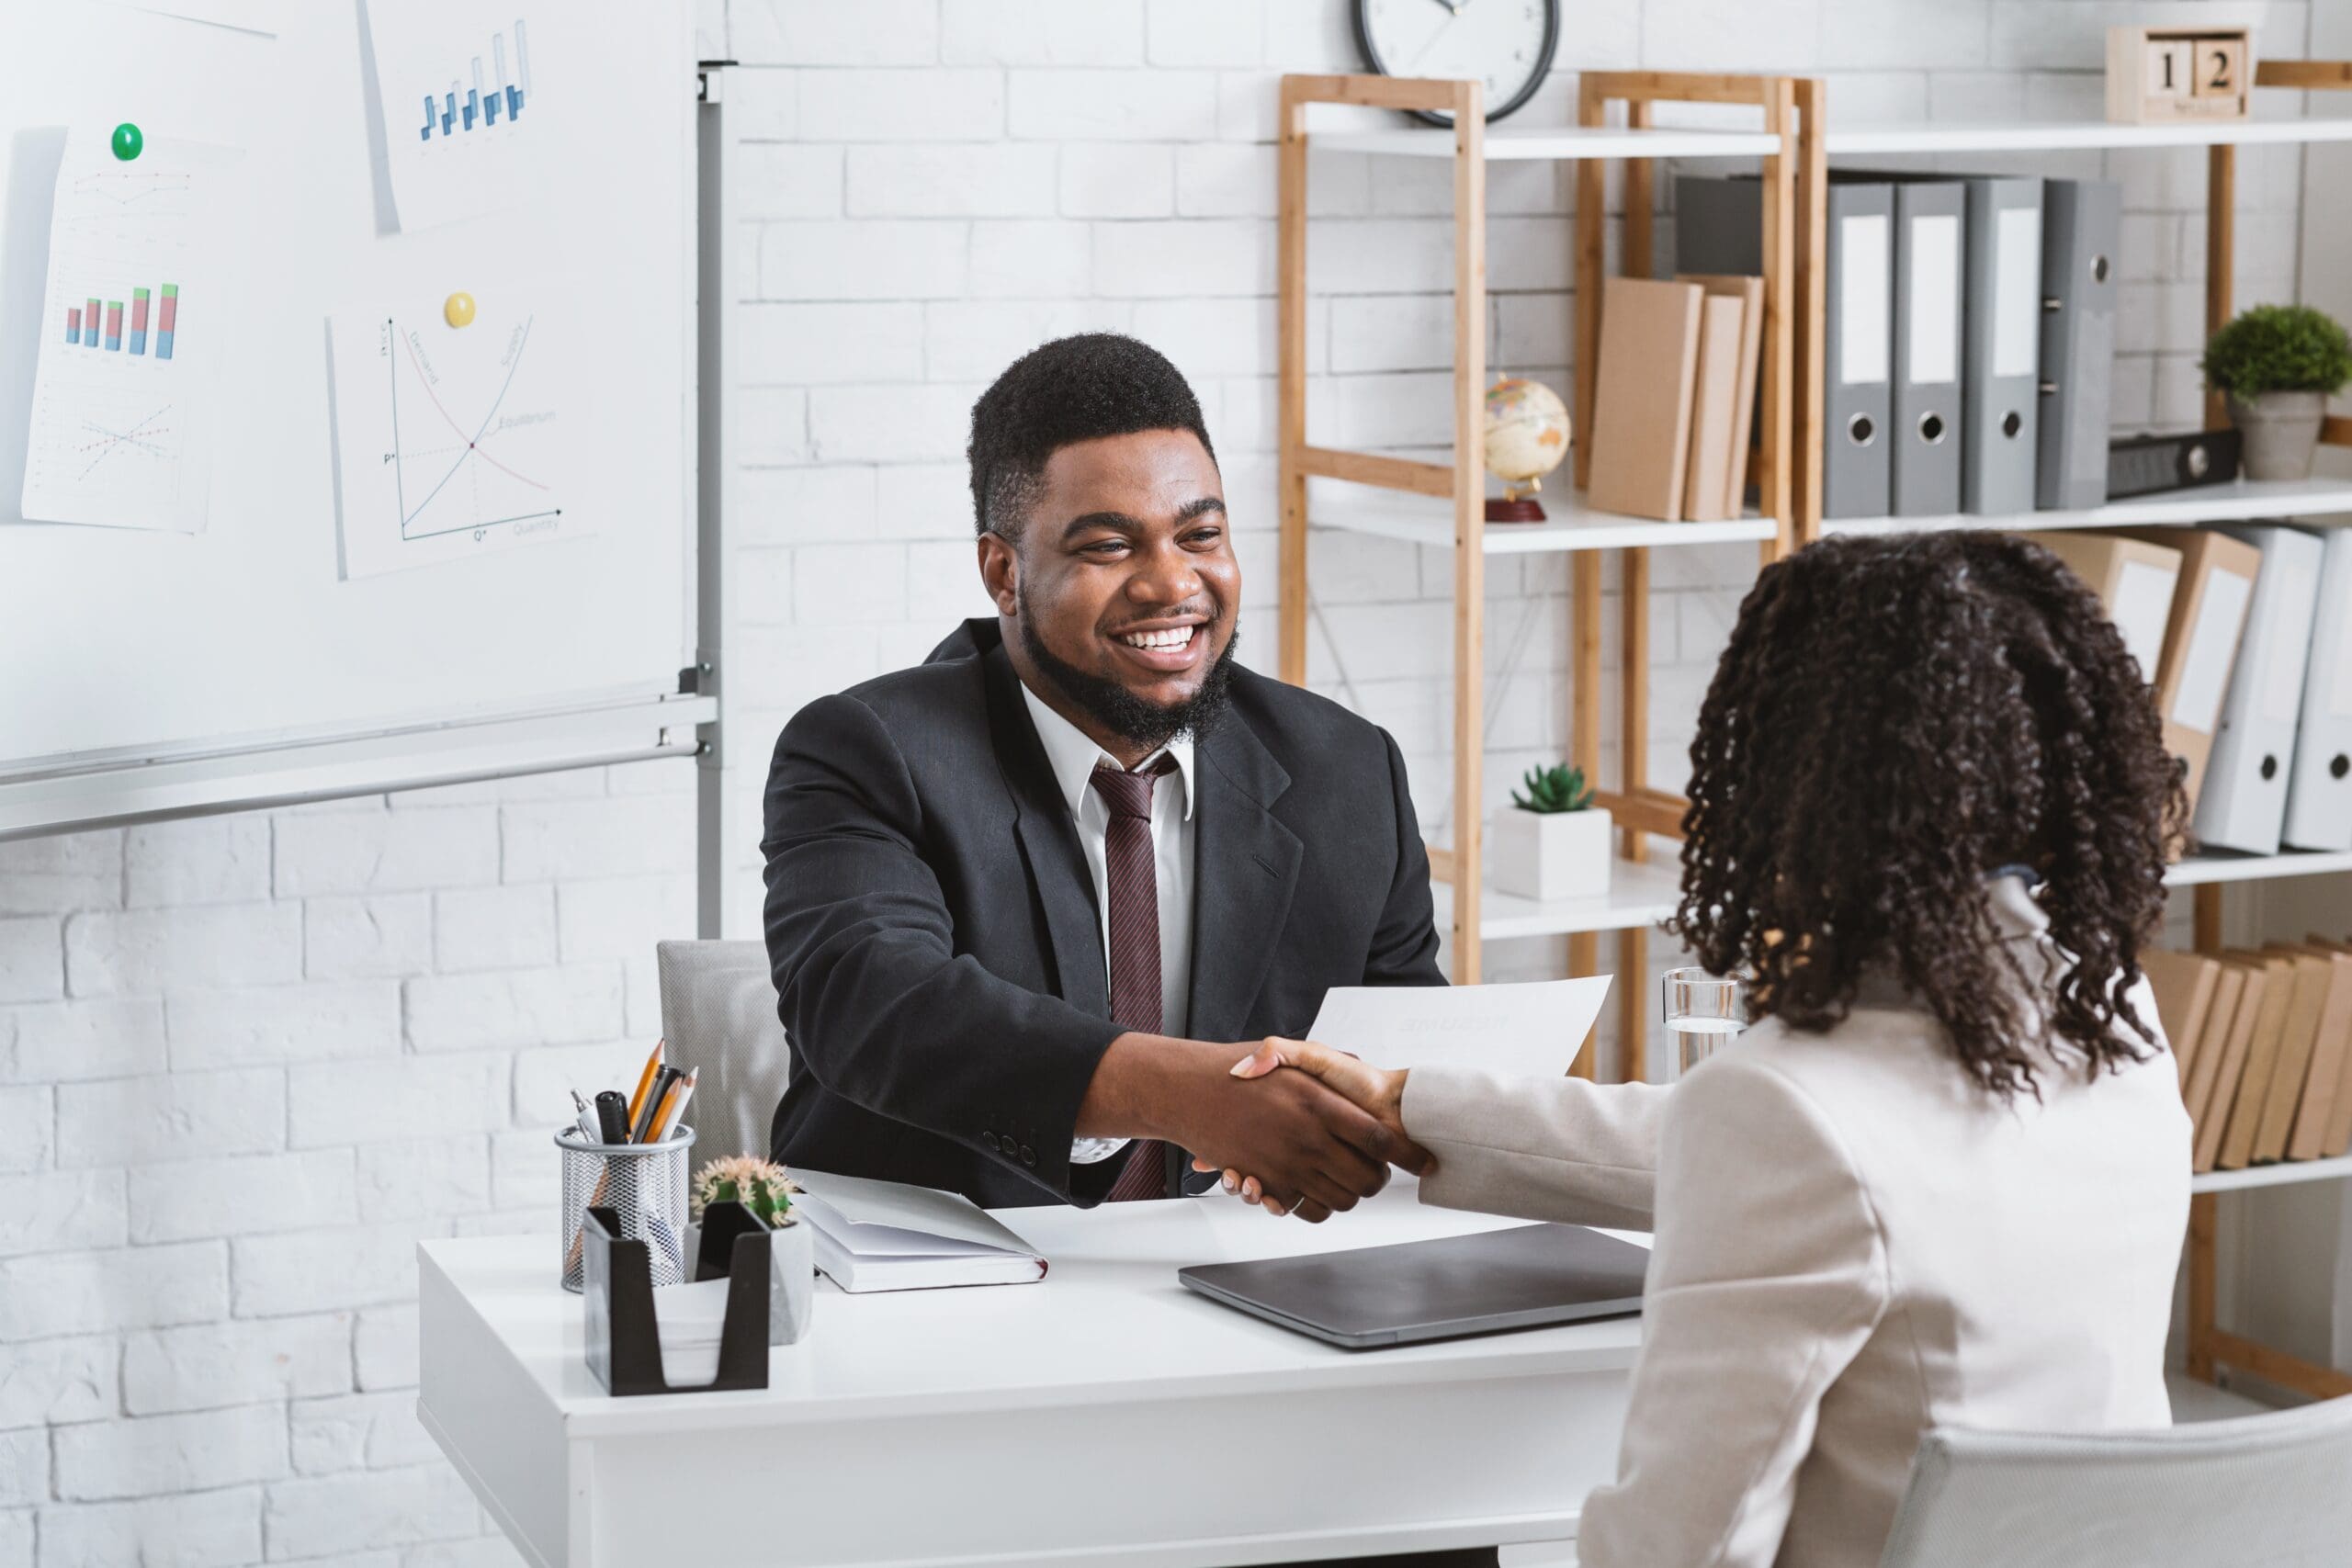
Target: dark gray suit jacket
932,929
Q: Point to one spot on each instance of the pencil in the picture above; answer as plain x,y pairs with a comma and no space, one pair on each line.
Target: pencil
645,1081
673,1107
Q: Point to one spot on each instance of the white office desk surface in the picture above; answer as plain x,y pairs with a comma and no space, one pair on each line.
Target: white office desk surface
1105,1415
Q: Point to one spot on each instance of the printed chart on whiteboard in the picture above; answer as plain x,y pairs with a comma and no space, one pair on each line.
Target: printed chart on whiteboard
129,343
461,109
446,437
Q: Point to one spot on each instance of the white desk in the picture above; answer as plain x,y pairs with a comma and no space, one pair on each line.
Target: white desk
1104,1417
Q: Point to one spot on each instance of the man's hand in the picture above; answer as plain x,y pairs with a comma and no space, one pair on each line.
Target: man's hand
1379,1093
1311,1148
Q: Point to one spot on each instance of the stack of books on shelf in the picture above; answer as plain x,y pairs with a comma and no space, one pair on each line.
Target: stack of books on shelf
2263,1041
2246,634
1674,395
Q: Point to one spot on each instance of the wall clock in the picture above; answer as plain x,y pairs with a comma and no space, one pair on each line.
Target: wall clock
1505,44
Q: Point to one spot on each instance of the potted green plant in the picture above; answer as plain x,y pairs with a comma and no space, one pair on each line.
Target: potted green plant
767,1191
1552,843
2277,364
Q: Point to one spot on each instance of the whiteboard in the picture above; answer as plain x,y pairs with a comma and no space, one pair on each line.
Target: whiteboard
246,638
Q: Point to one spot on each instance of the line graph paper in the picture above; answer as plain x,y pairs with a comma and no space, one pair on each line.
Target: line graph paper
446,438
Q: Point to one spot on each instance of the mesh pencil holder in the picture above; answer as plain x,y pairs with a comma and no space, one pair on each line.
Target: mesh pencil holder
643,1184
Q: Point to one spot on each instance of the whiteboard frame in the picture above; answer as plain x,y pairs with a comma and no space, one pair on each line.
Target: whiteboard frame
81,791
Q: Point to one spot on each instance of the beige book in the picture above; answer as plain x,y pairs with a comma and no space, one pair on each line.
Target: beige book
1641,400
2297,1041
2337,1140
2134,578
2208,611
1706,469
2261,1061
2214,1089
2229,991
1750,292
2330,1053
2183,984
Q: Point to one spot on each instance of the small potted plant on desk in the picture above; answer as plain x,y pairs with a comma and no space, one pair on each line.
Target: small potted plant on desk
2277,364
765,1189
1554,843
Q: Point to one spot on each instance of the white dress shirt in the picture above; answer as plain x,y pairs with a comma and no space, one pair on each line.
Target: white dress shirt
1073,757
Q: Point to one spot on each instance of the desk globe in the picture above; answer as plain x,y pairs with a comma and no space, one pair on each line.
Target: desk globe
1527,434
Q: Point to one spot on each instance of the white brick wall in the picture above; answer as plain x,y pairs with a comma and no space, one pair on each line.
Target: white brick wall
245,1062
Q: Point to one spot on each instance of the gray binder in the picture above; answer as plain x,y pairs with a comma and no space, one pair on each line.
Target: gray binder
2082,224
2000,408
1718,224
1931,255
1859,359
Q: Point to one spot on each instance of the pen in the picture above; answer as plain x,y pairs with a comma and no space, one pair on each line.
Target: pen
611,1117
587,1118
640,1130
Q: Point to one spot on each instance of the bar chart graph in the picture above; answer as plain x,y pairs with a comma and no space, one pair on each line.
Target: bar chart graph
486,101
86,327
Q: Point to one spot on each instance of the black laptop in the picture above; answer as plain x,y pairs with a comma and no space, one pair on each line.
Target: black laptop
1524,1277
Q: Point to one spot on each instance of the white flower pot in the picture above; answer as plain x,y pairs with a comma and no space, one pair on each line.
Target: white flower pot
792,1277
1548,855
2280,432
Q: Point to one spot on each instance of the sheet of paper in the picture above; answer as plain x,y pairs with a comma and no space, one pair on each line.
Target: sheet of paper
1532,1028
446,436
463,125
132,338
265,16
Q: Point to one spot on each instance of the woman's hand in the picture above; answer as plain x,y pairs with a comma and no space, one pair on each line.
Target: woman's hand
1380,1093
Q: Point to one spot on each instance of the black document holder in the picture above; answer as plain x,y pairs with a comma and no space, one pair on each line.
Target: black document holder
624,1343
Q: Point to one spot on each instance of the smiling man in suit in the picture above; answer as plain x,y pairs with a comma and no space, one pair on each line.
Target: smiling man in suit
1024,899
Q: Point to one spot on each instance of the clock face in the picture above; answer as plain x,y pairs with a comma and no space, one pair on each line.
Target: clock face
1504,44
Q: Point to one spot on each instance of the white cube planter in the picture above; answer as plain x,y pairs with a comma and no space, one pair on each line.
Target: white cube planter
1548,855
792,1277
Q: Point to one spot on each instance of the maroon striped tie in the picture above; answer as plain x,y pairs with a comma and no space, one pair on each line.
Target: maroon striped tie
1132,873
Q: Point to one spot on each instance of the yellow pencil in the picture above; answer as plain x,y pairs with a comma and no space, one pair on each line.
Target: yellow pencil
672,1106
645,1081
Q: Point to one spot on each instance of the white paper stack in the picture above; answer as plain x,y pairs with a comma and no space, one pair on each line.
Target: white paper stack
884,1236
690,1319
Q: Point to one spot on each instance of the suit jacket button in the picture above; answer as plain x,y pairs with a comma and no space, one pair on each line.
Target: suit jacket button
988,1140
1028,1155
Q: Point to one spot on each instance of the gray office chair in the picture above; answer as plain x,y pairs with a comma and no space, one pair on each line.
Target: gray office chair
718,1014
2273,1489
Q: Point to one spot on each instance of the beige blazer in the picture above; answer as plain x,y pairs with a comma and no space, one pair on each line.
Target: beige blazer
1853,1245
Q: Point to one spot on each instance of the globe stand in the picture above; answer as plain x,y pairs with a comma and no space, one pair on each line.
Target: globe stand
1515,509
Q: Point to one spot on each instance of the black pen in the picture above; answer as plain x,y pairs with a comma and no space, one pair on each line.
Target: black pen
612,1116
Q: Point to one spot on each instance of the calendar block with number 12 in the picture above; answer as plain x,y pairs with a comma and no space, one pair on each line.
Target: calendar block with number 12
2173,73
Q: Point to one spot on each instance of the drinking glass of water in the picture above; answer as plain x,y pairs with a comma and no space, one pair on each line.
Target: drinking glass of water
1702,1012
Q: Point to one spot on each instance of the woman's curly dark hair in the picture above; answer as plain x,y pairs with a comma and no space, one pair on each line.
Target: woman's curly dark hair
1894,720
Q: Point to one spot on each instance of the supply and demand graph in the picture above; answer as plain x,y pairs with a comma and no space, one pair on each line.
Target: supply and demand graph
447,437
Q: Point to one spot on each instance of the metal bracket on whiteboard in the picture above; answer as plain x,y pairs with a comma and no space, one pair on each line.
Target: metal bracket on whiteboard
707,81
142,787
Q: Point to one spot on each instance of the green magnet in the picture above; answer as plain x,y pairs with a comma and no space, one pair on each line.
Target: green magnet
127,141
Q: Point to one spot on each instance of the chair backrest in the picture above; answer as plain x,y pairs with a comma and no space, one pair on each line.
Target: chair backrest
718,1014
2274,1489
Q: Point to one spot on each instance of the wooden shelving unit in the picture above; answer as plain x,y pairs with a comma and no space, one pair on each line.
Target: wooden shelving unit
1442,504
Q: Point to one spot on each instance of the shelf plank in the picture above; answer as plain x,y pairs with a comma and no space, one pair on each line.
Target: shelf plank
1641,894
2283,1174
2047,136
1563,144
2200,869
2239,501
1420,520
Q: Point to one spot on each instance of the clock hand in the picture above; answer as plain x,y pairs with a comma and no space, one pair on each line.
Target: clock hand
1453,14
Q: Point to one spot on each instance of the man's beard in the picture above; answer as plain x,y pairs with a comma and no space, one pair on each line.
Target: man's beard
1135,719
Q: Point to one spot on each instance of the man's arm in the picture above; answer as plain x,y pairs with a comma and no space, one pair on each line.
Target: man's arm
884,1012
1403,945
880,1007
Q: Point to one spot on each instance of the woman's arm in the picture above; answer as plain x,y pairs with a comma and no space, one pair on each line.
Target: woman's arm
1767,1278
1537,1148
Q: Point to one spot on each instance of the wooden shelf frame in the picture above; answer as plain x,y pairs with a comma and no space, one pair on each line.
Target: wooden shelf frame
1593,143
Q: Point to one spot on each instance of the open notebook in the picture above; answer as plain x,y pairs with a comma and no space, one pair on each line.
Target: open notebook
884,1236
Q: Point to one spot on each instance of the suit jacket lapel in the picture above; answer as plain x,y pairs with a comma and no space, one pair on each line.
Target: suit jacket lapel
1245,869
1049,844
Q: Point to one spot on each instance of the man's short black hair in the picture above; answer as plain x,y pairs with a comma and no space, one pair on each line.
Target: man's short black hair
1073,389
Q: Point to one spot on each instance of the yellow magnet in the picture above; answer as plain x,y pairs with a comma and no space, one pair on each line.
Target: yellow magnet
458,308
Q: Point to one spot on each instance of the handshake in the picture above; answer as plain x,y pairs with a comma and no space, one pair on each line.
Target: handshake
1304,1130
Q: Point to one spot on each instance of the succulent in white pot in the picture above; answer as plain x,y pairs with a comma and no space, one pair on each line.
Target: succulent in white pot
1554,843
767,1191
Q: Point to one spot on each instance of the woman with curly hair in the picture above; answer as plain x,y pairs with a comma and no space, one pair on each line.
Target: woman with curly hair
1942,1179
